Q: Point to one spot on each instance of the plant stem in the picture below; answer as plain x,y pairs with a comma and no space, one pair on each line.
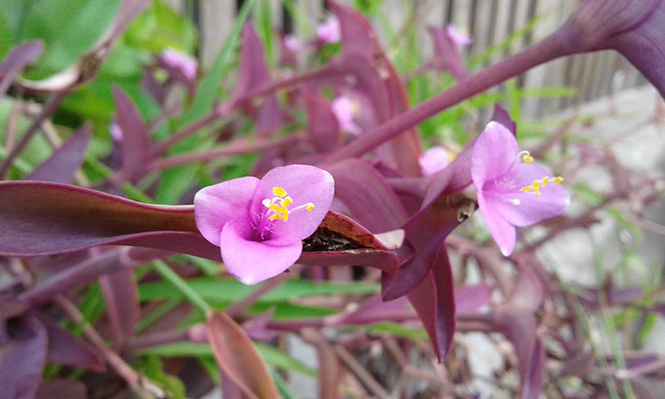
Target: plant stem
546,50
49,108
181,285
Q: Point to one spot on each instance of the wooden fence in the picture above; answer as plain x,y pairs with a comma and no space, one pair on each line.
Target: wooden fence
489,21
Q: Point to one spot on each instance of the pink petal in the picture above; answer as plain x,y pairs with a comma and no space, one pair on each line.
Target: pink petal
526,208
502,231
433,160
303,183
214,206
494,154
250,261
458,38
343,109
329,31
177,60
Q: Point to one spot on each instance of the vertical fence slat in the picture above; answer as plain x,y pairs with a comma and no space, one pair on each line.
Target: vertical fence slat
216,17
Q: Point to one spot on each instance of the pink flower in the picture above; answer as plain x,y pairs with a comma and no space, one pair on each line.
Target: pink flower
329,31
292,43
458,38
259,225
433,160
116,132
345,110
182,62
511,190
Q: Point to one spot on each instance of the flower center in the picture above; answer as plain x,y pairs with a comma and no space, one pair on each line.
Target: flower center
278,209
537,184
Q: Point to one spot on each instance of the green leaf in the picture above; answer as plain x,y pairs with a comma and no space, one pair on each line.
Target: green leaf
232,290
270,355
397,330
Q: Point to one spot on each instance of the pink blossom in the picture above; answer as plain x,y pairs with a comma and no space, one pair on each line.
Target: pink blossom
179,61
344,110
292,43
511,190
458,38
433,160
259,225
116,131
329,31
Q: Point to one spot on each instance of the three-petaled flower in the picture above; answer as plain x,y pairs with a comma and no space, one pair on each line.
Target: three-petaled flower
259,225
511,190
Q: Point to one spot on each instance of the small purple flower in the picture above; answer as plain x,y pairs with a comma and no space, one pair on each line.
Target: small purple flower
433,160
511,190
329,31
116,132
259,225
458,38
180,61
345,111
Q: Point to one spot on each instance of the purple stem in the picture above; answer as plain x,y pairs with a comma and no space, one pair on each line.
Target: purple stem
552,47
51,106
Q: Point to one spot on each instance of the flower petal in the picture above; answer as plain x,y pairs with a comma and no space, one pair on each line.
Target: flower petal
303,183
527,208
214,206
250,261
494,153
502,231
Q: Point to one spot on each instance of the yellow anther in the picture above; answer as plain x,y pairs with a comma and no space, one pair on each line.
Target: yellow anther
557,179
286,202
545,180
527,158
278,191
309,206
535,187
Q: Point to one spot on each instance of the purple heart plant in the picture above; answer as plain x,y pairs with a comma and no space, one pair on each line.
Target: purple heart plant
165,226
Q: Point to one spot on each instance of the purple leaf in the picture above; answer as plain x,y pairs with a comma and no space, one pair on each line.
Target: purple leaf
322,125
633,28
470,298
135,139
16,61
61,388
48,218
65,348
446,56
425,234
369,198
122,304
65,161
501,116
529,292
11,307
270,118
22,358
237,357
330,375
532,383
253,70
357,33
434,302
375,310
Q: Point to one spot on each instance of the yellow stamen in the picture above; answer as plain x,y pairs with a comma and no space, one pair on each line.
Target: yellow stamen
279,192
527,158
309,206
278,206
537,184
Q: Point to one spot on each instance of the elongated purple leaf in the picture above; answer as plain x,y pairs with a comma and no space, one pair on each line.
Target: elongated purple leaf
270,117
135,138
375,310
358,38
22,359
425,233
66,160
253,70
446,57
434,302
16,61
49,218
64,348
529,292
237,357
532,382
369,198
322,125
469,298
122,304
